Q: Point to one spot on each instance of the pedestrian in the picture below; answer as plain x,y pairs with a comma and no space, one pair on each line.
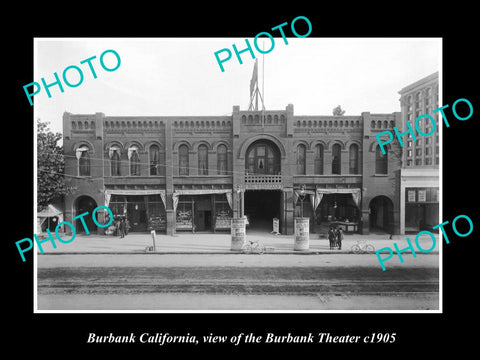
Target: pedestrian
331,238
127,225
116,224
339,238
122,228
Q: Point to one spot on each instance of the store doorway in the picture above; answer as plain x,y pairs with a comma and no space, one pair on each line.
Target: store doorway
203,213
381,215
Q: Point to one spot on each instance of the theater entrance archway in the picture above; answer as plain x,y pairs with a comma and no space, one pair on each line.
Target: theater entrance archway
261,207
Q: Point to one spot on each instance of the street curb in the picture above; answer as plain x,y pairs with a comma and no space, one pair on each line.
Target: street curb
139,252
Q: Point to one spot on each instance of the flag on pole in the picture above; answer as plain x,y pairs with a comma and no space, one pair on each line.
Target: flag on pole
254,80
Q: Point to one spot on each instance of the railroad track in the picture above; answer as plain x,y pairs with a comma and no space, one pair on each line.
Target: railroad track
229,280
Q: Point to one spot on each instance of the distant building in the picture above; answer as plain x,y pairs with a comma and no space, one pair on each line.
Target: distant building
193,173
419,185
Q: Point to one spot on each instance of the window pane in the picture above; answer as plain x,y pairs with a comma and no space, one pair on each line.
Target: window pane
154,160
301,151
354,159
336,159
134,164
222,159
318,159
381,161
115,164
202,160
84,164
183,160
260,150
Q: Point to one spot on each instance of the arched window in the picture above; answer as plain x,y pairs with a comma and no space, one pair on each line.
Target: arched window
381,161
134,161
83,161
114,154
336,159
183,160
202,160
318,162
262,157
221,160
353,159
301,153
154,158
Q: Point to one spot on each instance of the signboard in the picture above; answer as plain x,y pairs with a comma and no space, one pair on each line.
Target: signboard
411,195
422,195
276,226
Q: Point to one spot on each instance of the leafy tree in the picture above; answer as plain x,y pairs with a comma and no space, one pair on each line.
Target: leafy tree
50,166
337,111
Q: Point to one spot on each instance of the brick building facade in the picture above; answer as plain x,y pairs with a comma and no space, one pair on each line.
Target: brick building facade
194,173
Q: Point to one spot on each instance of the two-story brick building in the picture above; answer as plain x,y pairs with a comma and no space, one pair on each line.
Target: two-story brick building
194,173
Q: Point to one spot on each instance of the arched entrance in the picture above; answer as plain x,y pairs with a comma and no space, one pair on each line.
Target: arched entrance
262,198
85,204
381,214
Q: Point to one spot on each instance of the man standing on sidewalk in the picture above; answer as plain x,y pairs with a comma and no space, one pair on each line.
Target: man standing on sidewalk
331,237
339,238
122,228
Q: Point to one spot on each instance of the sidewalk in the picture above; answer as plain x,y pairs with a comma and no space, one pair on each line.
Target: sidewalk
219,243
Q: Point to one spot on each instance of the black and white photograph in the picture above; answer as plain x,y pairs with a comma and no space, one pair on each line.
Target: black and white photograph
169,179
230,180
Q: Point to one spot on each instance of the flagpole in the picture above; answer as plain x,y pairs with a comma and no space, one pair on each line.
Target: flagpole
263,74
263,84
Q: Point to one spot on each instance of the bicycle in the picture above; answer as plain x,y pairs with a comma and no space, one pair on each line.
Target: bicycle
253,247
362,247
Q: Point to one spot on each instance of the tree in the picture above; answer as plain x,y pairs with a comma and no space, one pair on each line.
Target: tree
50,166
337,111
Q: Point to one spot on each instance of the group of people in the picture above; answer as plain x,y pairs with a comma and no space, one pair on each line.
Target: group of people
335,237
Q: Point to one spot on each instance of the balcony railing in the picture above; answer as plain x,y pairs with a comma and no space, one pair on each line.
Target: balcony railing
258,181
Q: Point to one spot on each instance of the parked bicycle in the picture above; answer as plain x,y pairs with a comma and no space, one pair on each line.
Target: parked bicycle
361,246
253,247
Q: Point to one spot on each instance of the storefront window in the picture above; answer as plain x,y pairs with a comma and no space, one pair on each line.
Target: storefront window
184,218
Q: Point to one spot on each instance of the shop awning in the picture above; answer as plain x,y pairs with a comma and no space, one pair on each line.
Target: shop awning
177,193
356,194
317,195
110,192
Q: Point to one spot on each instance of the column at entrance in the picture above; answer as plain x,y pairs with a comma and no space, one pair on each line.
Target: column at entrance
288,212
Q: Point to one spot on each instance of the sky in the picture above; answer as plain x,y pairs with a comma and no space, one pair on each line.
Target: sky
180,76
